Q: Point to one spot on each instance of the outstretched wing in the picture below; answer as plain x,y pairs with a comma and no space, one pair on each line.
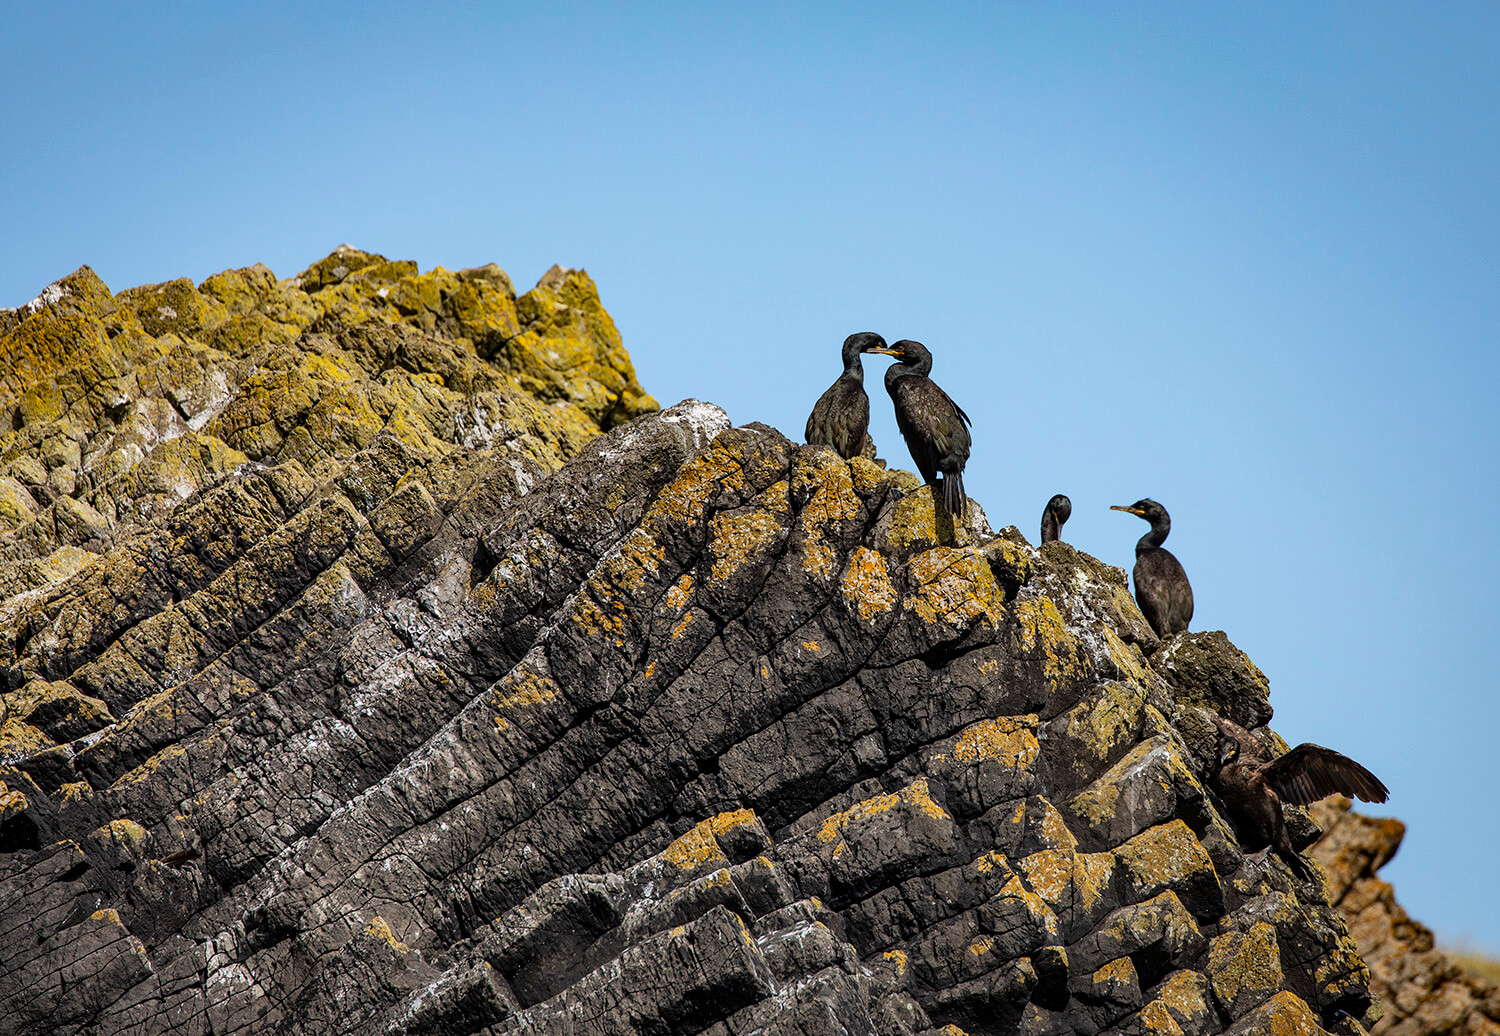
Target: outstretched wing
1311,772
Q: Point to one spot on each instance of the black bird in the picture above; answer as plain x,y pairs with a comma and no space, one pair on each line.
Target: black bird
841,416
935,428
1253,789
1161,586
1059,508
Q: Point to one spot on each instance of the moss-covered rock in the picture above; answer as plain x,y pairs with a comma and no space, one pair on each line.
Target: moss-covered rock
1244,969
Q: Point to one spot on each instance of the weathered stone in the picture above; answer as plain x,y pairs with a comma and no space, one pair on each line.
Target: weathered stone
1181,1004
60,710
1244,969
1206,669
1159,933
1079,887
1168,856
1283,1015
1421,990
1149,786
1104,997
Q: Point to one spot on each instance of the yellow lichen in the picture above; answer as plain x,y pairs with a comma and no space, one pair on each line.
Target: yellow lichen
678,596
899,958
1060,876
109,915
688,494
1009,741
866,586
380,928
989,861
913,519
700,845
12,802
1163,854
639,556
1158,1021
981,945
1043,629
1183,993
1117,970
1055,829
737,538
123,831
953,587
916,795
150,766
526,687
833,500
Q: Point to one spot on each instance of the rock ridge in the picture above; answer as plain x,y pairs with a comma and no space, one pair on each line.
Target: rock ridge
379,659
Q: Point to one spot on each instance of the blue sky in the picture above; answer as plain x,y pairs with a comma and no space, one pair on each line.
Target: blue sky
1241,258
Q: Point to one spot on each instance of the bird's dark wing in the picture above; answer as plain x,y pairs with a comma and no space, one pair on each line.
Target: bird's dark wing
840,418
927,407
1311,772
1161,581
949,400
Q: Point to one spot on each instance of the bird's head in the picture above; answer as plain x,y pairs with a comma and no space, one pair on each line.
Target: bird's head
1061,507
862,342
1144,508
905,350
1230,745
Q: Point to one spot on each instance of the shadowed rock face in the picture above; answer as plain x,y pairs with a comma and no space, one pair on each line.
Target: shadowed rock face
361,685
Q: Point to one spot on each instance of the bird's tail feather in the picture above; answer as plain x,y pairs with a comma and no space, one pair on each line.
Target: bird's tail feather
954,499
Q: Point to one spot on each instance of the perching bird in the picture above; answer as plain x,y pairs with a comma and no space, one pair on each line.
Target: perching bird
1253,790
935,428
1059,508
1161,586
841,416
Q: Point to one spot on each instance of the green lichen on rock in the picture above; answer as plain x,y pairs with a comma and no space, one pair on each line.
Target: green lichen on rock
1244,969
122,406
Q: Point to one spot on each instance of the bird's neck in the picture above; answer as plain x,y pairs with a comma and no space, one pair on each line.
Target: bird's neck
1158,534
1050,530
896,371
854,369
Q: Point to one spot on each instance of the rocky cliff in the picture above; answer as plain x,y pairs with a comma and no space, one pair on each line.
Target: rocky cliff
1422,990
378,659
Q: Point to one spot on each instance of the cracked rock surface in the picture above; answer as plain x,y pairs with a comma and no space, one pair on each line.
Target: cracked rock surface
378,659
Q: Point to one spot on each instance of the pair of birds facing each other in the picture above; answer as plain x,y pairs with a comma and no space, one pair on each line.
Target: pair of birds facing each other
935,428
1161,585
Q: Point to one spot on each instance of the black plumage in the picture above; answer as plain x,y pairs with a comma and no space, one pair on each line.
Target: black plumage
935,428
1161,585
841,416
1057,512
1253,789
